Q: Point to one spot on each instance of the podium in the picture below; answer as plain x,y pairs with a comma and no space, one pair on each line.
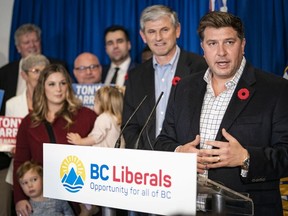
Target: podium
117,179
220,200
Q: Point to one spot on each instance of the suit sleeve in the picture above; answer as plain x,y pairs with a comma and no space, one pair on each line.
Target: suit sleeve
274,157
132,129
167,139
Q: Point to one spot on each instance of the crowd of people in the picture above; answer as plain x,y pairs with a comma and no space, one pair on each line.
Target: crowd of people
219,106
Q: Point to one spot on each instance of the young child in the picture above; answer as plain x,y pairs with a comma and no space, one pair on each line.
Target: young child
108,105
30,177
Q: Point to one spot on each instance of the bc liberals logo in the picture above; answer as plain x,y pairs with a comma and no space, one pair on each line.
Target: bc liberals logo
72,174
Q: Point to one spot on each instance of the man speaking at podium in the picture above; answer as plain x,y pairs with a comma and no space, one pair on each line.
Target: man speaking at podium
234,116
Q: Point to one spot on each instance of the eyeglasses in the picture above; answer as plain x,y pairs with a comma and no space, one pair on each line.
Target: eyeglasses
35,71
84,68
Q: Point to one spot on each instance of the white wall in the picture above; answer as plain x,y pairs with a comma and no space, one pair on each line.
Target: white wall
6,7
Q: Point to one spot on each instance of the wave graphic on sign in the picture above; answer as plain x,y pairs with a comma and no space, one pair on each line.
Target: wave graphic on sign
72,174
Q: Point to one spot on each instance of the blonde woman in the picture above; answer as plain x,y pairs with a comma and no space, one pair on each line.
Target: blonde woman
108,105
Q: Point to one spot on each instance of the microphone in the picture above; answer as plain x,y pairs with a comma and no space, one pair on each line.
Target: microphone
147,121
118,141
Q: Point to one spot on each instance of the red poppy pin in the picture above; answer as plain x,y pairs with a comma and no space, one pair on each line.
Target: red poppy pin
175,80
126,76
243,94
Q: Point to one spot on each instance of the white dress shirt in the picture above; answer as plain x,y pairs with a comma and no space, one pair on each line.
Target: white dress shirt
123,69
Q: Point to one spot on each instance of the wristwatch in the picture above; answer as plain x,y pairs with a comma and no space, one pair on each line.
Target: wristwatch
245,166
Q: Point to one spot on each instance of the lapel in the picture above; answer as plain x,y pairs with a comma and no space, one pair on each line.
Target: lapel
149,83
182,68
195,98
237,105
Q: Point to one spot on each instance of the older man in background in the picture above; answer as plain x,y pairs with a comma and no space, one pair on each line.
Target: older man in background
87,69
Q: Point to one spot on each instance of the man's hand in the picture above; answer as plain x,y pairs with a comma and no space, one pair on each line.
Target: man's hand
225,154
191,148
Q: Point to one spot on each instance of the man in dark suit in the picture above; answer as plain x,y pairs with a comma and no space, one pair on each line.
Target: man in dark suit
233,116
117,45
160,29
27,40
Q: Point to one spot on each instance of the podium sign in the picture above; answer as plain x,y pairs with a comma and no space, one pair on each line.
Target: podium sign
138,180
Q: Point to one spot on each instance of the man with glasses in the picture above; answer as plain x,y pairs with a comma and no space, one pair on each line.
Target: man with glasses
87,68
117,44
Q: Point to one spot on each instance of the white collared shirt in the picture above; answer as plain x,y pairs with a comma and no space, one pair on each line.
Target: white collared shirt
164,75
123,69
214,107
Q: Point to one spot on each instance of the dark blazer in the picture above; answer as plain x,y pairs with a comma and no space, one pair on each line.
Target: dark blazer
106,68
259,123
140,83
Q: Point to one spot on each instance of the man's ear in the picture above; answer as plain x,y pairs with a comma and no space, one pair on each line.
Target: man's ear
143,36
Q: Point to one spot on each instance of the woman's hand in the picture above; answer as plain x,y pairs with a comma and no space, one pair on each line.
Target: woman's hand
23,208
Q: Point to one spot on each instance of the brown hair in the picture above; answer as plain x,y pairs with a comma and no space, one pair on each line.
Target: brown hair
29,165
217,19
40,107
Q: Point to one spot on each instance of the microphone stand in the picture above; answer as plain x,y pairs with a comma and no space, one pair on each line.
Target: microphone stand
118,141
147,121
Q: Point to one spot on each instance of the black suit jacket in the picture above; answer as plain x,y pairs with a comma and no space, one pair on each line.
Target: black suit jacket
259,123
106,68
140,83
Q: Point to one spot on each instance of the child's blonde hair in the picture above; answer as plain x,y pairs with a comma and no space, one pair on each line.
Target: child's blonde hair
29,165
110,100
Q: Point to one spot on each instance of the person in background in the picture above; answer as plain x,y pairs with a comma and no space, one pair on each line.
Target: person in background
32,66
160,29
108,106
21,105
118,45
56,112
146,54
18,106
233,116
30,177
87,69
27,40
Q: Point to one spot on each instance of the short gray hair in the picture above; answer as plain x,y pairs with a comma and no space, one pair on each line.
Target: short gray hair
155,12
33,60
24,29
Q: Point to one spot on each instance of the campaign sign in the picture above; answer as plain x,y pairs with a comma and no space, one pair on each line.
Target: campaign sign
8,131
86,93
145,181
